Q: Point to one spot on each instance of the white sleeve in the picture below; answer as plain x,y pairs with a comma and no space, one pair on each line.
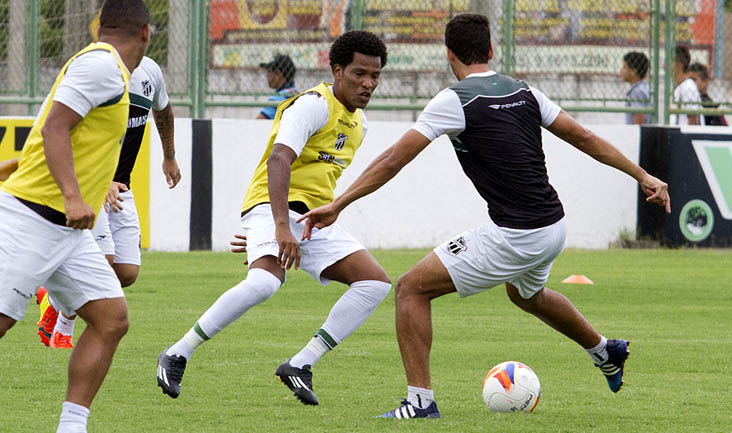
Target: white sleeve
160,99
442,115
549,110
301,120
90,80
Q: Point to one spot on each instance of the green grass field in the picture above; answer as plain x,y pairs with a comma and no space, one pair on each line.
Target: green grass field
675,306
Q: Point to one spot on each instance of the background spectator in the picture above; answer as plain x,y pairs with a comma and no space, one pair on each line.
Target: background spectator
281,77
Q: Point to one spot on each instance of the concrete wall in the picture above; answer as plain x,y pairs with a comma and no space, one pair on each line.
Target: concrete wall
427,203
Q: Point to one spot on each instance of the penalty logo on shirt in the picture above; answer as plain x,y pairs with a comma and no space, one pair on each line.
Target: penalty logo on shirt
341,141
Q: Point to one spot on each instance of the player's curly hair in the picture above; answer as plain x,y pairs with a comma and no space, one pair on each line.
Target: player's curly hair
356,41
468,36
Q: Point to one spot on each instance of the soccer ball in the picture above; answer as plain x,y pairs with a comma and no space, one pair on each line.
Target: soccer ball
511,387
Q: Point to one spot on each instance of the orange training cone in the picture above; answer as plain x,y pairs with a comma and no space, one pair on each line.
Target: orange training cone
577,279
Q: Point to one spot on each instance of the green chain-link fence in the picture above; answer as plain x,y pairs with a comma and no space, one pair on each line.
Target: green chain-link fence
211,51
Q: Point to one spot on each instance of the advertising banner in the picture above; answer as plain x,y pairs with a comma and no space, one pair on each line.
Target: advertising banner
14,131
698,169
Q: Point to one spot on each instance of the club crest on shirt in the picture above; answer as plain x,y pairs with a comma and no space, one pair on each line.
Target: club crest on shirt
146,88
341,141
457,246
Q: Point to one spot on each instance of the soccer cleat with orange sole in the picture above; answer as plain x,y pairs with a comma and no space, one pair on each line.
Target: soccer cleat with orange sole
61,341
48,316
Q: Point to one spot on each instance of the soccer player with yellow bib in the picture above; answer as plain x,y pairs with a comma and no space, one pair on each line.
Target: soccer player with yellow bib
49,202
314,138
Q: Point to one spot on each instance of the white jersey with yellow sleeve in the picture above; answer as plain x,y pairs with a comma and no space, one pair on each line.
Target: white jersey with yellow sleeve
325,137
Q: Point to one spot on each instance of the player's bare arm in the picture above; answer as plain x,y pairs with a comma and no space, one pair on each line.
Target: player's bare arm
379,172
165,121
7,168
278,182
569,130
59,157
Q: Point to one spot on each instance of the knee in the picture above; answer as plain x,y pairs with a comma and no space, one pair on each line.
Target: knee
127,274
528,305
127,280
114,328
405,287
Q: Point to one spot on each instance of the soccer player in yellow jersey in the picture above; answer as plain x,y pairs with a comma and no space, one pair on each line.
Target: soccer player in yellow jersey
313,139
46,205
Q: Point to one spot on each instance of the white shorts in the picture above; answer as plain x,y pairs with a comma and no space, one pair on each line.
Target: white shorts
36,252
326,246
118,233
487,256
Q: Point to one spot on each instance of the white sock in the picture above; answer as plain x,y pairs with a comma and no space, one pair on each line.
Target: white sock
599,353
64,325
347,314
73,418
312,352
354,307
186,345
259,286
420,397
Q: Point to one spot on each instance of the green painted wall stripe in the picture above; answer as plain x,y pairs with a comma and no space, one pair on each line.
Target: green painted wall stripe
720,158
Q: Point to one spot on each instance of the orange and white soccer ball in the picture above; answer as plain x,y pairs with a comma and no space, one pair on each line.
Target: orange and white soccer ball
511,387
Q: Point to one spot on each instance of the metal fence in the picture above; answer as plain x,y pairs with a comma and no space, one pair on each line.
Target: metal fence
211,51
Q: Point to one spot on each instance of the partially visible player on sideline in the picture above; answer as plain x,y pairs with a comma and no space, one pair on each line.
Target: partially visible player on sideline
117,229
686,94
700,74
494,122
46,205
633,72
314,138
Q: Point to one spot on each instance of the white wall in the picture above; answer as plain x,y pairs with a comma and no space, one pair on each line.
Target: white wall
170,209
427,203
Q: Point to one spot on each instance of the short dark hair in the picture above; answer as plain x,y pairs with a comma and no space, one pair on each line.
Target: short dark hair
683,57
468,36
700,69
356,41
638,62
126,15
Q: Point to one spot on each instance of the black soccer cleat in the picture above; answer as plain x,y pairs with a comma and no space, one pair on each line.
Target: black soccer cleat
614,367
170,373
299,380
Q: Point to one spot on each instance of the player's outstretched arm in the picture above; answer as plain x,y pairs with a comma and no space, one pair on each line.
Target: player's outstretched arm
165,121
569,130
7,168
379,172
57,147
